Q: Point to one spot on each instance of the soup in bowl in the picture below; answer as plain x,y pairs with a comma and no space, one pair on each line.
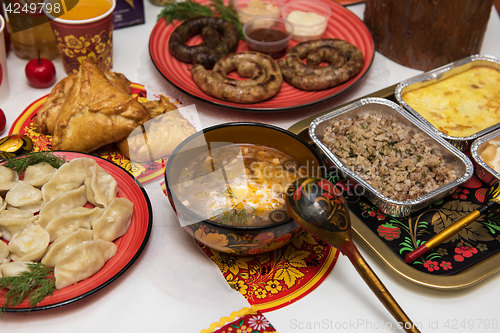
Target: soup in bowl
227,184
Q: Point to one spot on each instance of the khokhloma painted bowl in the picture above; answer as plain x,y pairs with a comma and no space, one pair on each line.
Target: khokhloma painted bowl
236,238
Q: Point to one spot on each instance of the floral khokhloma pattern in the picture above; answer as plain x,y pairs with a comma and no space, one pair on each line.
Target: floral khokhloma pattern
472,244
251,323
266,279
320,203
76,49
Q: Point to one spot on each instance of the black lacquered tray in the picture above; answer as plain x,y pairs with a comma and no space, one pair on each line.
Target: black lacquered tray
467,258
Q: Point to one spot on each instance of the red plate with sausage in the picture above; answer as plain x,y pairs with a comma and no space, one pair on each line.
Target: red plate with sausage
343,24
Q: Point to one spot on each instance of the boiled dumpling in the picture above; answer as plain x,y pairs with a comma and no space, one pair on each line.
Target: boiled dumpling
24,196
63,245
14,268
68,177
4,251
39,174
62,204
115,221
8,178
30,244
13,221
102,188
83,261
3,204
79,217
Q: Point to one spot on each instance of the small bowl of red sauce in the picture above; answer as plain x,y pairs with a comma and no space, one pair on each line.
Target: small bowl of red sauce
269,35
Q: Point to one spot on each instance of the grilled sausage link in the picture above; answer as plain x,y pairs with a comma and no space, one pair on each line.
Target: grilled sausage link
345,61
264,78
220,37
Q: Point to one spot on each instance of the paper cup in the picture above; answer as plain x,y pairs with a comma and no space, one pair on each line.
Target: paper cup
81,39
4,78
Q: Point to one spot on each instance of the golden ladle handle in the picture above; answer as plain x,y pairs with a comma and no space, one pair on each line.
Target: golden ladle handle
378,288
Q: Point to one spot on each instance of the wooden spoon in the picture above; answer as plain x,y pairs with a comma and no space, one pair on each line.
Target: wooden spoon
319,207
15,145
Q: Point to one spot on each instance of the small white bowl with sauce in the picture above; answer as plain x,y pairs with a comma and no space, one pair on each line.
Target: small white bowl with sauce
249,9
309,18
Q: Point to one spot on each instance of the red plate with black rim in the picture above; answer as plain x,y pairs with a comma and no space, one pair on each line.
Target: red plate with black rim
348,2
129,245
343,24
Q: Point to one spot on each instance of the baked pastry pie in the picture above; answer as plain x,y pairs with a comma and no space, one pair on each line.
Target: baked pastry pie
47,114
95,113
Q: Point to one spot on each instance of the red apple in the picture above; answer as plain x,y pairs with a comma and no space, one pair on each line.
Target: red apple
3,121
40,72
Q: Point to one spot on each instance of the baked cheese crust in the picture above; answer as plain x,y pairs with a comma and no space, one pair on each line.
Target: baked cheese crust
460,105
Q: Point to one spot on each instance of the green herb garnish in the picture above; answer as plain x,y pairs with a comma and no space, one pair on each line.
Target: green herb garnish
237,216
419,157
187,9
228,13
390,144
19,164
34,284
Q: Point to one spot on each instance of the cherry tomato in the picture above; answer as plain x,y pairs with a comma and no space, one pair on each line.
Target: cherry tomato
40,72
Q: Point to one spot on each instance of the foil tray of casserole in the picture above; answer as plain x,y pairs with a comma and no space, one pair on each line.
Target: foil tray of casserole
391,158
486,153
459,101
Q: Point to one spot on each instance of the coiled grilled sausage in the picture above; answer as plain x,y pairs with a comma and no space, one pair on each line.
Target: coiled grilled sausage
220,37
264,82
345,61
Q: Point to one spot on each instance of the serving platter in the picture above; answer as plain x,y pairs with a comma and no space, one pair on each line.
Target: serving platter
343,24
348,2
24,124
464,261
129,245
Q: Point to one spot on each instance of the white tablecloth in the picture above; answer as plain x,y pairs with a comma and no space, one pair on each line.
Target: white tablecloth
151,297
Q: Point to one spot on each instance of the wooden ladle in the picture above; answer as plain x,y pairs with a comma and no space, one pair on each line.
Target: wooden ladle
319,207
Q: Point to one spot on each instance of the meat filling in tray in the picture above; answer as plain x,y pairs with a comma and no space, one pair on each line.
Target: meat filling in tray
392,157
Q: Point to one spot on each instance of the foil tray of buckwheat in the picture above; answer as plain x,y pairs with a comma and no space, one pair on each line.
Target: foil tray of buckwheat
459,101
395,161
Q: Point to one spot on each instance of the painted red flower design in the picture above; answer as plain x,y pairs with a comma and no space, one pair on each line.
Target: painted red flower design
481,194
446,265
431,265
346,185
473,182
463,252
466,251
388,231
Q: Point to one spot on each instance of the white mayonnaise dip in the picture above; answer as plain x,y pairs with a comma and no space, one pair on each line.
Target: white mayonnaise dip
307,23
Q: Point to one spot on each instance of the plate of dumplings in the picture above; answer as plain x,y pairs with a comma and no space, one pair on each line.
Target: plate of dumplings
88,207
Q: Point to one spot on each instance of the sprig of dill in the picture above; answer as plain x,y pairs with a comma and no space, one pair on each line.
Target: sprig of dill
237,216
188,9
19,164
34,284
183,10
228,13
